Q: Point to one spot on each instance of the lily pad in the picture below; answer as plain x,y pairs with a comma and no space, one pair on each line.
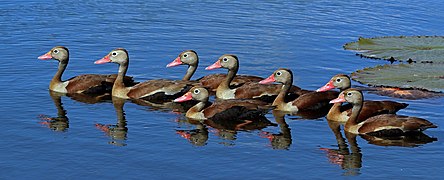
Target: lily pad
401,48
425,76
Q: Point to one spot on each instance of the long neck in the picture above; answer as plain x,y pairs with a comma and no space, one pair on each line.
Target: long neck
196,108
120,75
58,76
230,76
284,90
190,71
355,113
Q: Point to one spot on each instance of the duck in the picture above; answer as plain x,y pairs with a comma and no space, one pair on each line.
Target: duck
242,111
379,125
306,102
341,113
85,83
265,92
211,81
156,90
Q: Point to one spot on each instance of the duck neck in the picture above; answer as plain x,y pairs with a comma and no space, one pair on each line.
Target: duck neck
196,108
354,116
280,99
230,76
190,71
58,76
118,84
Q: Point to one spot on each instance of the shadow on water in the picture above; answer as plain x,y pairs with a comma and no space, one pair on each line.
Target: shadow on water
117,132
350,158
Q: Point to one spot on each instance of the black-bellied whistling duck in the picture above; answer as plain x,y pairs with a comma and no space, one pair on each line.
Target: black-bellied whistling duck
225,90
152,90
86,83
245,111
190,58
306,102
370,108
380,125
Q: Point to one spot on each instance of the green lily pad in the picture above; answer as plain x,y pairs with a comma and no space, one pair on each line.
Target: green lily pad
401,48
426,76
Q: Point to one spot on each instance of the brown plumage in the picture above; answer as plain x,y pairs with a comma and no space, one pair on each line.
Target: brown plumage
225,90
235,110
86,83
341,113
380,125
306,102
212,81
153,90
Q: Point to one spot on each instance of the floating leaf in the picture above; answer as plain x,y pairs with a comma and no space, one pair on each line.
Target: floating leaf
427,76
401,48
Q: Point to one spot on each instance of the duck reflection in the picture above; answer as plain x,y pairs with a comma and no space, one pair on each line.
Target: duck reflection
117,132
197,136
225,129
61,122
281,140
350,158
414,139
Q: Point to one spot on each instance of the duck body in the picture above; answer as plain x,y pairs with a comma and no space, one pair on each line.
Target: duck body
86,83
265,92
380,125
341,113
222,110
158,90
306,102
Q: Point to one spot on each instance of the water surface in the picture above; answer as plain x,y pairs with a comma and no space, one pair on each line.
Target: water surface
305,36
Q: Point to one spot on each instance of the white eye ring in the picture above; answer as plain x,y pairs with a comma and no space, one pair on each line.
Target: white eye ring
278,73
338,80
114,54
225,59
56,51
196,91
349,94
185,55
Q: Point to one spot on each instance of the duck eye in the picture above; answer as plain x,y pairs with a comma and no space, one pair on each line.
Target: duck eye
196,91
278,73
185,55
56,51
114,54
225,59
349,94
338,80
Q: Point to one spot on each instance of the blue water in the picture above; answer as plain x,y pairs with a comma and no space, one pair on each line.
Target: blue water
305,36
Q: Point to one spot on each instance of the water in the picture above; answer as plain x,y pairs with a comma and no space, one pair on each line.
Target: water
305,36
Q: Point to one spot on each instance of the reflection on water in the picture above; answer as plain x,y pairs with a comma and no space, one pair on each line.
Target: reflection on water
225,129
350,159
197,136
61,122
117,132
281,140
